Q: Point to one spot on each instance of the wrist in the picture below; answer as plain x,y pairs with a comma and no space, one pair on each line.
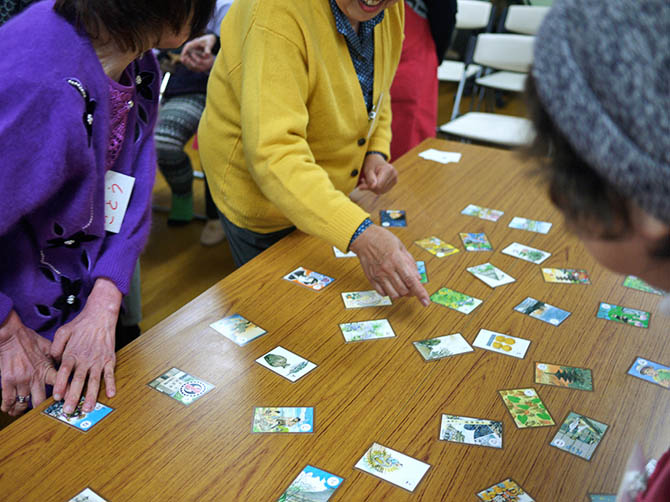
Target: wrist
357,240
105,296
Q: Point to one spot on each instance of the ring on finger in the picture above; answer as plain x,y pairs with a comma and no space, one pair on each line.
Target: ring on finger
22,399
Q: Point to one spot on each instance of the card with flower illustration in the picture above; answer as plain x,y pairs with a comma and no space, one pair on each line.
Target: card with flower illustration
542,311
361,299
455,300
559,375
475,242
623,315
442,346
482,212
526,408
366,330
437,246
541,227
579,435
566,276
311,485
650,371
285,363
286,420
526,253
505,491
393,466
473,431
238,329
636,283
490,275
309,279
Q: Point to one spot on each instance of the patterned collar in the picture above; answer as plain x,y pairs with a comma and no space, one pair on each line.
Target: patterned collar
355,41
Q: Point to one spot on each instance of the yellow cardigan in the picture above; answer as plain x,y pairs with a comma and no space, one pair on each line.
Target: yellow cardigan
285,129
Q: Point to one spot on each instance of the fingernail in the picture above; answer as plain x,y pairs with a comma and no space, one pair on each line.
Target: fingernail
425,303
57,397
68,410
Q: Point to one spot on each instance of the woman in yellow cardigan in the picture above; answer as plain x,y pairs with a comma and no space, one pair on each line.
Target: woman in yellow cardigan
297,116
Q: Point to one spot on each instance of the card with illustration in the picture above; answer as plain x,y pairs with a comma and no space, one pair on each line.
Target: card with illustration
181,386
340,254
289,419
505,491
542,311
651,372
309,279
285,363
636,283
474,431
421,267
393,218
87,495
541,227
475,242
501,343
437,246
566,276
78,418
311,485
623,315
238,329
482,212
442,346
392,466
455,300
559,375
579,435
602,497
361,299
526,253
366,330
526,408
491,275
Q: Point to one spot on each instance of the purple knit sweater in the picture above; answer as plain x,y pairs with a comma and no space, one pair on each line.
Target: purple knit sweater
54,134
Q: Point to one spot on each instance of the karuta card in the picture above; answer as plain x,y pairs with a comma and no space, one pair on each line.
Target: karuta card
442,346
526,253
181,386
475,242
87,495
482,213
309,279
421,268
311,485
437,246
505,491
541,227
474,431
291,420
366,330
455,300
360,299
285,363
559,375
579,435
601,497
623,315
238,329
393,466
501,343
651,372
636,283
566,275
393,218
490,275
526,408
340,254
440,156
542,311
78,418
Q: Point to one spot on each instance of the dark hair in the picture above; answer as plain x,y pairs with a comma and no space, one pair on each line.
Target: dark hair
135,25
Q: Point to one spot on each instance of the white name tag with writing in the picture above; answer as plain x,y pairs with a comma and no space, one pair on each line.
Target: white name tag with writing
118,188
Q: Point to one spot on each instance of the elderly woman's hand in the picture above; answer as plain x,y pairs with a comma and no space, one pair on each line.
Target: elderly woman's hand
197,54
377,175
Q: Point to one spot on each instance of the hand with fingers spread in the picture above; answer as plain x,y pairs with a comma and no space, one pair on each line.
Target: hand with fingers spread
85,348
377,175
197,55
25,366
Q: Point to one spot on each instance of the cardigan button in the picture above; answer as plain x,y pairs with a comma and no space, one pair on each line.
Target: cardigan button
354,173
361,141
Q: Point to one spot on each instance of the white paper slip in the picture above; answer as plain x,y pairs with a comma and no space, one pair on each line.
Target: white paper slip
340,254
392,466
440,156
118,188
501,343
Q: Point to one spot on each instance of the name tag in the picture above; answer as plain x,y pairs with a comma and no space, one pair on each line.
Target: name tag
118,188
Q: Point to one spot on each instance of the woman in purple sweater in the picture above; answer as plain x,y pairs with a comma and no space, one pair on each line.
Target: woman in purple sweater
78,103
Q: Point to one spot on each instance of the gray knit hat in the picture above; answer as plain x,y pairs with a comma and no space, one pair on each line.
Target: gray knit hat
602,71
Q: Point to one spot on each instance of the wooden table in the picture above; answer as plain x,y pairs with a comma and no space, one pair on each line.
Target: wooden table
154,448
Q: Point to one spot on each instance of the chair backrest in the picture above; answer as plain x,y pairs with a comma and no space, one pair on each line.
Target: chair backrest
544,3
504,51
472,14
525,19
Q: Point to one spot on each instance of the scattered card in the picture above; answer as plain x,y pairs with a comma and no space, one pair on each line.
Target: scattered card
541,227
526,408
311,485
238,329
78,419
366,330
393,218
361,299
542,311
526,253
437,247
181,386
392,466
579,435
623,315
482,212
602,497
455,300
563,376
283,420
340,254
651,372
442,346
309,279
636,283
474,431
87,495
440,156
285,363
421,267
566,275
476,242
491,275
505,491
501,343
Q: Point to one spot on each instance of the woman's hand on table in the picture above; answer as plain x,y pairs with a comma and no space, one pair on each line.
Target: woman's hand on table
197,55
377,175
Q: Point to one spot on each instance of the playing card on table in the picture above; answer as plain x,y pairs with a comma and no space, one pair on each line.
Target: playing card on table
490,275
440,156
309,279
285,363
288,419
360,299
579,435
421,268
623,315
559,375
636,283
474,431
601,497
505,491
393,466
238,329
501,343
542,311
366,330
476,242
393,218
526,408
87,495
651,372
311,485
566,275
541,227
442,346
526,253
181,386
437,246
340,254
78,418
482,212
455,300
